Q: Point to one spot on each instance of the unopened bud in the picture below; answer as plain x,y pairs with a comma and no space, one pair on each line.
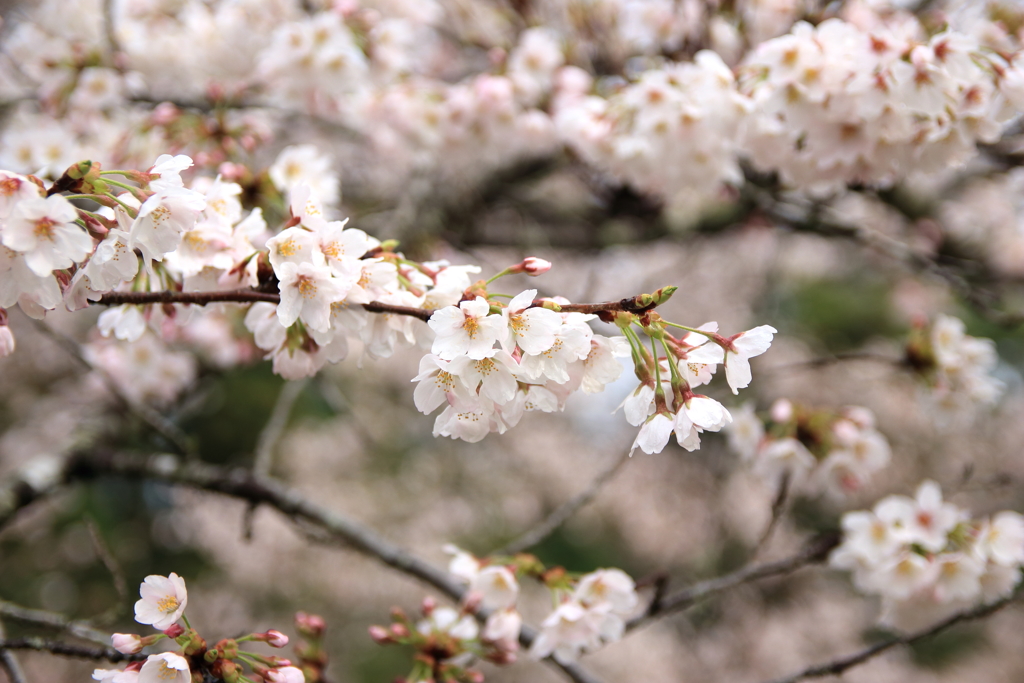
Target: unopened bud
174,631
534,266
472,600
310,625
398,614
664,294
229,671
474,676
399,630
380,635
228,648
782,410
428,606
275,638
126,643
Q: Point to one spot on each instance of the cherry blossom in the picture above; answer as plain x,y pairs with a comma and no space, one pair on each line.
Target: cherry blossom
165,667
466,329
163,602
44,231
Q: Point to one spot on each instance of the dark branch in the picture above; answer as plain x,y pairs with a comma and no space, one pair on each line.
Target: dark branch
813,553
57,647
246,296
838,666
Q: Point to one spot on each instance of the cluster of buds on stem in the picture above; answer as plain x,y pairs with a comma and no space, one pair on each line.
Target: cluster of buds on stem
162,605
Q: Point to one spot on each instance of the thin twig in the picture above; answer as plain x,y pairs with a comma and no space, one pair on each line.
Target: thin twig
778,508
38,617
834,359
116,574
838,666
110,30
153,418
57,647
562,513
9,663
814,552
268,440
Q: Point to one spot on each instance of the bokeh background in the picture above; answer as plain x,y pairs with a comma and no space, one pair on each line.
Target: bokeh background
355,442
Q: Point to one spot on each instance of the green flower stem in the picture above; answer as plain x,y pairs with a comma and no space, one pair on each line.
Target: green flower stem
501,274
131,188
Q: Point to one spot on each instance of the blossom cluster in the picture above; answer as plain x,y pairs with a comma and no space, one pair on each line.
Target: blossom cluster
590,610
665,404
956,366
162,605
488,368
869,96
832,451
836,103
673,132
927,558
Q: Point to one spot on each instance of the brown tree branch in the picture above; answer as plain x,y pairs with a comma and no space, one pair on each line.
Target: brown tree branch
814,552
63,649
38,617
838,666
629,305
563,512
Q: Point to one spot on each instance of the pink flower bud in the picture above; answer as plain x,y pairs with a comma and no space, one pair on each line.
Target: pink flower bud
399,630
474,676
276,638
174,631
6,341
288,674
429,605
380,635
535,266
310,625
126,643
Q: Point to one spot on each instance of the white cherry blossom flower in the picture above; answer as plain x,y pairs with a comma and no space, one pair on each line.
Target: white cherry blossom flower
469,420
493,376
44,230
601,366
1001,539
165,667
741,349
124,322
466,329
502,629
294,245
307,292
169,169
532,329
163,219
496,586
163,601
15,188
437,385
449,621
654,434
613,586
